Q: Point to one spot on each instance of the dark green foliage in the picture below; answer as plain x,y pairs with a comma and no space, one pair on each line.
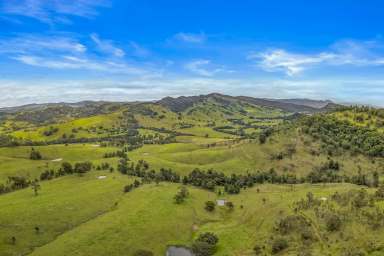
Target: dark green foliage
118,153
205,244
35,155
333,222
209,238
229,205
123,166
210,206
51,131
67,167
279,244
83,167
128,188
200,248
181,195
338,135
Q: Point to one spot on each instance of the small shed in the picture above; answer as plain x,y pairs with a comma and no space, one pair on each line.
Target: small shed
221,202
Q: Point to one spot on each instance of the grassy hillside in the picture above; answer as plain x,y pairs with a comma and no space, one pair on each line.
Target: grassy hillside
15,161
107,171
101,220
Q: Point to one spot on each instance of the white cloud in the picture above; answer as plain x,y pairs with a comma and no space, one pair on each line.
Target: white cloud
138,50
290,63
190,37
204,67
49,11
38,91
72,62
34,43
107,46
347,52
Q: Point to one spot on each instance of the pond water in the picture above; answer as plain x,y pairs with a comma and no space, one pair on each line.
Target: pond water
178,251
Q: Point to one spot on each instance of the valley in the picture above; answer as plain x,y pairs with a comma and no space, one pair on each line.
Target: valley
97,178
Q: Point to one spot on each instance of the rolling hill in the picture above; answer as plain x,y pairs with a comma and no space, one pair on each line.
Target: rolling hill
94,178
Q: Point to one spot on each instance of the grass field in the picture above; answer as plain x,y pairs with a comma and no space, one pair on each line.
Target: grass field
91,223
15,161
246,156
86,215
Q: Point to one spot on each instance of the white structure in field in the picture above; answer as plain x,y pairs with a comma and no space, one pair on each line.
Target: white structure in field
221,202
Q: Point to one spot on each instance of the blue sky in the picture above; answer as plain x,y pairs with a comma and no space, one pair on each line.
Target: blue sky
124,50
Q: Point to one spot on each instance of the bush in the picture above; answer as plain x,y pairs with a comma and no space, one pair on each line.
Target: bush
200,248
210,206
333,222
208,237
279,244
83,167
181,195
205,244
35,155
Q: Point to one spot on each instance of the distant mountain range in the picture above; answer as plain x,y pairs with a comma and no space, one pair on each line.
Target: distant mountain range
181,103
290,105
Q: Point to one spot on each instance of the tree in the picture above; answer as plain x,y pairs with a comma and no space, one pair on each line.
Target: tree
83,167
333,222
123,166
205,244
67,167
35,155
136,183
181,195
210,206
35,186
262,138
229,205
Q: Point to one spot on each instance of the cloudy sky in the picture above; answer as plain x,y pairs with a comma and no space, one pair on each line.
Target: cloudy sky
124,50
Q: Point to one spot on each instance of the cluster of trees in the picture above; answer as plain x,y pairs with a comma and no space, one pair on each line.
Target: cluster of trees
52,130
130,187
326,173
118,153
18,182
67,169
104,166
341,135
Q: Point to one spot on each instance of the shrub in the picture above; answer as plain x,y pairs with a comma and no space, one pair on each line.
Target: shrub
279,244
205,244
35,155
333,222
210,206
208,237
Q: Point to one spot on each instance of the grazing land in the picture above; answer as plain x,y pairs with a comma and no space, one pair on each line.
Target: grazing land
107,178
